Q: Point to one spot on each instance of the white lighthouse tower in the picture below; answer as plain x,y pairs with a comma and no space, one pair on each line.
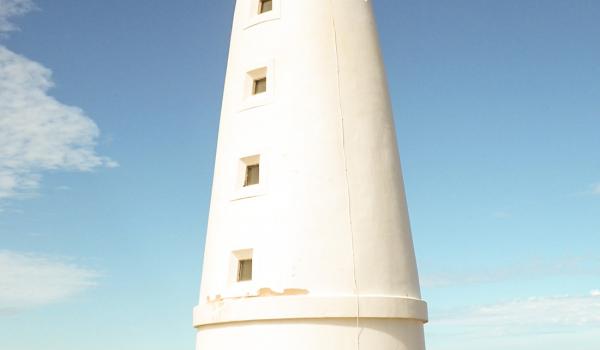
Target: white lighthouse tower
309,244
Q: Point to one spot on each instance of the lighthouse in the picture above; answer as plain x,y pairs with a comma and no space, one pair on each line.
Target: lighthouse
308,244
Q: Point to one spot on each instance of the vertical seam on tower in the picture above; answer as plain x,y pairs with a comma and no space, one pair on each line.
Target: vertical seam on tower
341,113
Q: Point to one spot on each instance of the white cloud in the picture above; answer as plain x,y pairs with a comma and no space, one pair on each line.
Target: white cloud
595,293
28,280
12,8
501,215
37,132
519,271
535,323
529,315
596,189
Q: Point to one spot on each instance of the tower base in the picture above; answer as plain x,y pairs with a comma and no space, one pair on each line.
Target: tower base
314,334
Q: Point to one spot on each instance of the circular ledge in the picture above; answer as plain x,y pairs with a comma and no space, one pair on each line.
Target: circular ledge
306,307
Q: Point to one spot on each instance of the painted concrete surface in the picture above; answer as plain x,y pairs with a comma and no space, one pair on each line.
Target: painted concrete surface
327,226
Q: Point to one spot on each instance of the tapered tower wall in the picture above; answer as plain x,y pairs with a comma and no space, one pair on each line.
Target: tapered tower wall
327,226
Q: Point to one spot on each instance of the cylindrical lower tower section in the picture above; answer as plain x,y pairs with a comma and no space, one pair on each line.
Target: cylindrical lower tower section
309,243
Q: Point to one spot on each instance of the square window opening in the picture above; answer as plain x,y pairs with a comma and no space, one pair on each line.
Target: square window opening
252,175
244,270
259,86
258,83
265,6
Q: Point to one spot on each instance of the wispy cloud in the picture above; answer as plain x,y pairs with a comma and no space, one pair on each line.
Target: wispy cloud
523,270
525,317
595,189
12,8
37,132
501,215
28,280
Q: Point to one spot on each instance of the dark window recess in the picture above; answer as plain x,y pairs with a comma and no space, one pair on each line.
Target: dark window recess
252,175
265,6
245,270
260,86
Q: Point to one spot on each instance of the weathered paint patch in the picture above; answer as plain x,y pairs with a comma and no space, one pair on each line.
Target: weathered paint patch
261,293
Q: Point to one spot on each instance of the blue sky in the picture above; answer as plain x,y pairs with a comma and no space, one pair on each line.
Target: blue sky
108,122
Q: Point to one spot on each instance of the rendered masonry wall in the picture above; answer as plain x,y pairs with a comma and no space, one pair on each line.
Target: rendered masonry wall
327,227
315,334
